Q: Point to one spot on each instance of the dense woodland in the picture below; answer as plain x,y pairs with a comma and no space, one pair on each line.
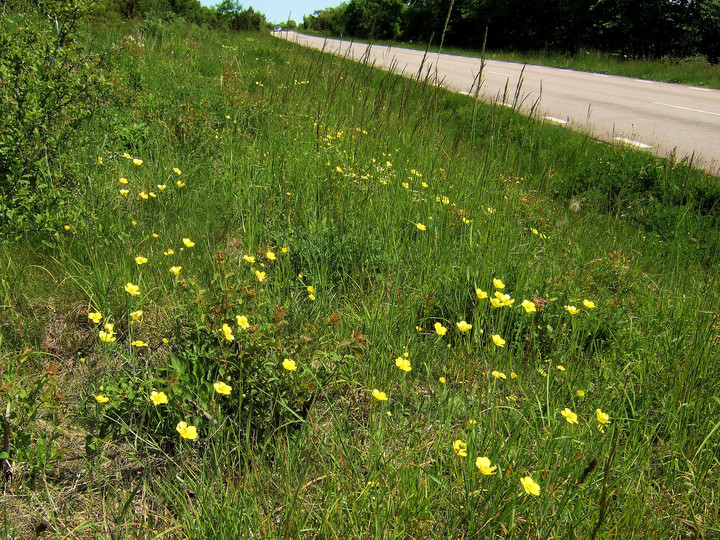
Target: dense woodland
633,28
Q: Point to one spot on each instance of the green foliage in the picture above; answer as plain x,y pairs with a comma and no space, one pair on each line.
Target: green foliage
51,84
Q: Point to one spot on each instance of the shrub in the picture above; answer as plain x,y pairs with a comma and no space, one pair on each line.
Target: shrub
49,85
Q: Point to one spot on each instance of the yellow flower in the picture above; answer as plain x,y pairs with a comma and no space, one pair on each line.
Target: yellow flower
187,432
143,195
260,275
135,315
107,337
139,343
284,250
513,375
188,243
127,156
133,290
140,260
95,317
570,416
602,417
100,160
169,252
227,332
480,294
270,256
572,310
123,180
483,463
497,340
528,306
464,326
380,396
249,258
442,380
242,322
534,231
498,375
109,327
161,187
580,393
530,486
152,195
134,223
440,330
498,284
137,162
101,399
289,365
124,192
496,302
560,367
504,299
420,226
222,388
310,289
175,270
180,183
158,398
338,169
177,171
460,448
589,304
403,363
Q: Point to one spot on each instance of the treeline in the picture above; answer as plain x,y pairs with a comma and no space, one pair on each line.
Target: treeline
228,14
632,28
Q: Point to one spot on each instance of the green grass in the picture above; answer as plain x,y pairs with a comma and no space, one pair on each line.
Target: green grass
283,147
694,71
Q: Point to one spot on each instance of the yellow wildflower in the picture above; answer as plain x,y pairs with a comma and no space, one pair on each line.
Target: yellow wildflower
242,322
140,260
187,432
589,304
498,341
483,463
498,375
101,398
380,396
420,226
175,270
139,343
222,388
137,162
572,310
464,326
289,365
133,290
530,486
460,448
249,258
95,317
440,330
158,398
498,284
403,363
270,256
188,243
528,306
480,294
570,416
135,315
260,275
227,332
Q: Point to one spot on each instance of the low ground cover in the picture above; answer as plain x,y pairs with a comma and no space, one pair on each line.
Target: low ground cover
298,297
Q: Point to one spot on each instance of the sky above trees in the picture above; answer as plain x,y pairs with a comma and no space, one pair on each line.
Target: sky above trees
277,11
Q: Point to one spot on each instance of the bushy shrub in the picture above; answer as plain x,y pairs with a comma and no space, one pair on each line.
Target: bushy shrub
49,84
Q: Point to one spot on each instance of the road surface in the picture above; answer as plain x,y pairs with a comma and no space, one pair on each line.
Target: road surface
663,118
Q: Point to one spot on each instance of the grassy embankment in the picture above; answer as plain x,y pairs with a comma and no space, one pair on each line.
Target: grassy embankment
352,217
690,71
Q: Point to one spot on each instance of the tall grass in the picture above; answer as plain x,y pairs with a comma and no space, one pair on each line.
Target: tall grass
400,205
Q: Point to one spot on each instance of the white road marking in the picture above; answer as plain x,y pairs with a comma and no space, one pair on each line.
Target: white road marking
645,81
555,120
685,108
701,89
601,74
630,142
497,73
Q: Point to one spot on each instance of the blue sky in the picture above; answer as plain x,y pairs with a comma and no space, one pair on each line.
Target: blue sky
277,10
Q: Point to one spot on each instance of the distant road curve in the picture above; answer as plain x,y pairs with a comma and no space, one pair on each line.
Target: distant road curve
655,116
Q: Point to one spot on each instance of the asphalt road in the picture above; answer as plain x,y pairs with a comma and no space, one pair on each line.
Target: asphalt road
659,117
